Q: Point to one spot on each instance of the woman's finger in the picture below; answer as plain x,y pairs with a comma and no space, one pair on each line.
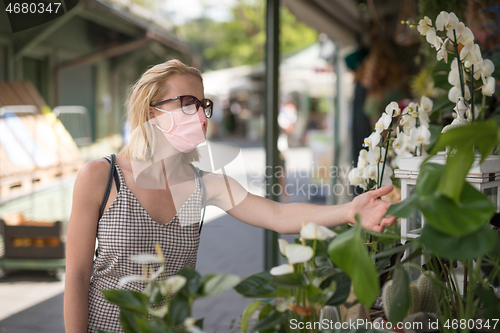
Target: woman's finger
382,191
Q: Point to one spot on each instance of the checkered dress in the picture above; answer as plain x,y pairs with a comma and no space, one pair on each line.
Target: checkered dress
126,229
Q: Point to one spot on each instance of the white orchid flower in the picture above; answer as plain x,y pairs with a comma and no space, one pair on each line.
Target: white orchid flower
446,21
443,51
399,141
408,122
462,32
374,155
411,109
483,66
426,104
423,119
372,141
362,159
383,123
433,39
319,232
172,284
420,136
370,172
288,304
455,93
488,88
160,312
424,25
189,324
392,109
476,113
356,178
472,55
454,76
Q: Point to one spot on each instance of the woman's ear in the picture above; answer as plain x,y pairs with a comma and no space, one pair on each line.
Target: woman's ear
151,112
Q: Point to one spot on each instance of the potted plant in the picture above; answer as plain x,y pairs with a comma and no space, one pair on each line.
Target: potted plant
165,303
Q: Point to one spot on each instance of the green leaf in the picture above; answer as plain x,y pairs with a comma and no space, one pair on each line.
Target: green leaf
292,280
149,326
316,295
349,253
249,310
482,134
324,272
404,208
128,321
194,280
396,249
457,165
428,179
271,320
458,220
257,285
466,247
400,299
179,309
491,309
215,284
343,283
435,133
130,300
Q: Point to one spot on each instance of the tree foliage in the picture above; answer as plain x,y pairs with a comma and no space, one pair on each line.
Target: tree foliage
240,41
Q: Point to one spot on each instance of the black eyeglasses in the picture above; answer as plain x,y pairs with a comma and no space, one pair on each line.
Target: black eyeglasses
191,104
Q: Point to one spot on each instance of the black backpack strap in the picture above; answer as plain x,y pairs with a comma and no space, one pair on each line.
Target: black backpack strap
112,174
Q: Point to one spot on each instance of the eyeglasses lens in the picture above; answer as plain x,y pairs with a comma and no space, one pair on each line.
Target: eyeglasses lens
189,104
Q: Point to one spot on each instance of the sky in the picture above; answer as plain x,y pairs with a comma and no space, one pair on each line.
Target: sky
184,10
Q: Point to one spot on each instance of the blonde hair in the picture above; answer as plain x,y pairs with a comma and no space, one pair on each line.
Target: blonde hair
146,91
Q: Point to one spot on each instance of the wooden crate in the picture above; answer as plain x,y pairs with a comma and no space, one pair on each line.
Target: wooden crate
25,239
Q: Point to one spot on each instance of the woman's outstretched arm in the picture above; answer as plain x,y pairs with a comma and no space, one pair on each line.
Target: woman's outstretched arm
287,218
88,191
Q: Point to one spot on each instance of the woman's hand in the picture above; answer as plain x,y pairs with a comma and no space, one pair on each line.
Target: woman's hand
371,210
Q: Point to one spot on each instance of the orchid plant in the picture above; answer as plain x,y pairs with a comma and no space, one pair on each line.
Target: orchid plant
469,71
412,135
165,303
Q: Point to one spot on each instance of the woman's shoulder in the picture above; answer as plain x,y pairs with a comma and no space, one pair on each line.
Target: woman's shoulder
94,173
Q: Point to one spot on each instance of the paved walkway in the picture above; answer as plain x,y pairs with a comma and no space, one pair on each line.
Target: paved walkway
33,302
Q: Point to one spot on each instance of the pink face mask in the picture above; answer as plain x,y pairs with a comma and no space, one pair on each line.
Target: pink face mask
187,131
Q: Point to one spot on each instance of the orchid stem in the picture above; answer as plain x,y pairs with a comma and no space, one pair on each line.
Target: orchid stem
455,45
385,159
472,93
378,169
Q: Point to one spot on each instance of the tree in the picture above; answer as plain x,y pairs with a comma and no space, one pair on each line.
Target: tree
240,41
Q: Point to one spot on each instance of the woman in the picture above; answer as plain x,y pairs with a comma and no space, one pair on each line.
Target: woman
157,197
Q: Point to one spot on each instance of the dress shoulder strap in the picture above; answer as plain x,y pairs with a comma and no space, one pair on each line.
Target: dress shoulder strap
199,175
112,175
